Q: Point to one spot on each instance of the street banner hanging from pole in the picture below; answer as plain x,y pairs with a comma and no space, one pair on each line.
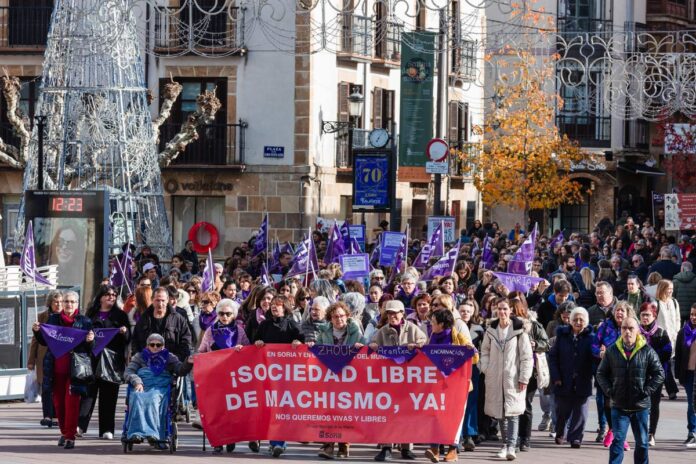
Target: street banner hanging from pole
277,392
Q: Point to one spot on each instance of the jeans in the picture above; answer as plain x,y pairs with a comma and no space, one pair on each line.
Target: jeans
470,428
525,422
638,420
509,427
47,401
547,402
571,411
654,411
599,399
690,416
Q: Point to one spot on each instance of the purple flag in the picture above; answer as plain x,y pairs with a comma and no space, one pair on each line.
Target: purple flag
225,337
300,263
437,241
345,233
61,340
261,242
266,280
398,354
476,247
275,256
287,248
556,241
123,270
103,337
208,283
448,358
522,260
517,282
355,246
336,245
444,266
374,257
28,260
421,261
335,357
487,255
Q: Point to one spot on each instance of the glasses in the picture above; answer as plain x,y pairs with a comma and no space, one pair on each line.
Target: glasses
155,345
225,314
378,277
110,294
307,298
339,316
144,284
70,302
192,290
65,243
206,302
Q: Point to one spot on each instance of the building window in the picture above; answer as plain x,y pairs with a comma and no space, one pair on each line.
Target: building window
584,117
29,95
188,210
458,123
576,218
383,108
27,23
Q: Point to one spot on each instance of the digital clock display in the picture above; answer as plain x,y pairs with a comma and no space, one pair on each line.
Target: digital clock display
66,204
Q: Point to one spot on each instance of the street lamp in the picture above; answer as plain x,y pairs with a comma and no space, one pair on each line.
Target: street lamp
355,106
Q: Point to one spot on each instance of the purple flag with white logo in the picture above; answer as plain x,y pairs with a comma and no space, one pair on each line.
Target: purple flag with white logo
208,283
487,258
61,340
28,260
261,242
517,282
355,246
287,248
444,266
335,357
398,354
345,233
423,258
301,261
434,248
448,358
336,246
225,337
557,241
266,280
103,337
522,260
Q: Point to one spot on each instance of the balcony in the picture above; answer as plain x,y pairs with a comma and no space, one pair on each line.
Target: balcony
179,31
24,28
217,145
589,131
388,44
677,9
356,37
344,160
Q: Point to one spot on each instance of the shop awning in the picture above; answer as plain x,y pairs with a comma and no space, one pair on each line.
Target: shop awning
640,168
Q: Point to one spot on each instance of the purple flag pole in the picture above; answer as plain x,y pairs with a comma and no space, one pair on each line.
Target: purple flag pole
122,270
28,265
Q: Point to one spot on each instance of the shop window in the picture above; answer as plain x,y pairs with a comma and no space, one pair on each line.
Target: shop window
576,218
188,210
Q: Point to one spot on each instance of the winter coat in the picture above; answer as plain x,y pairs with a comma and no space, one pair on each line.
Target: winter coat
278,330
409,333
82,323
506,363
477,332
310,329
685,292
423,325
37,351
597,314
666,268
354,334
208,342
681,356
658,341
669,319
606,335
173,366
177,336
630,382
571,362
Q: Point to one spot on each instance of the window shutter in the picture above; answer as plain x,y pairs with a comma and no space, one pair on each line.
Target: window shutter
343,92
464,123
388,110
377,108
453,123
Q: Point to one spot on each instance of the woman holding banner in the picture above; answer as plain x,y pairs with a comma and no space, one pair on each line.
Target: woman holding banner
108,364
277,327
37,353
57,369
342,330
507,362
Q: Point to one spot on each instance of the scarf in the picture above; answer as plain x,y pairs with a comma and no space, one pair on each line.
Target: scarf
648,333
689,334
68,320
225,336
442,338
206,320
339,335
260,315
404,297
635,300
157,362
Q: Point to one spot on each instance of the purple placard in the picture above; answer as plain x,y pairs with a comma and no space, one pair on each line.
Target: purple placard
355,266
517,282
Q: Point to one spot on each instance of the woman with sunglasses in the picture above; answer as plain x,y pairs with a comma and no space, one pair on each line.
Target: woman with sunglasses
303,301
208,315
225,333
105,313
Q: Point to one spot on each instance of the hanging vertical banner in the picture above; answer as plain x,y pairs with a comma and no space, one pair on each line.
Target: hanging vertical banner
416,122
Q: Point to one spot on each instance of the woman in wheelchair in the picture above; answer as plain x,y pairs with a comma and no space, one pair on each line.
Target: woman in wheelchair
150,376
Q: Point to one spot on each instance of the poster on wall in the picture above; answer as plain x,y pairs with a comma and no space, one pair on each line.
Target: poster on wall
680,211
449,227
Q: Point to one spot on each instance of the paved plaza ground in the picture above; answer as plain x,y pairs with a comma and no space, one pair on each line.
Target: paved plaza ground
22,440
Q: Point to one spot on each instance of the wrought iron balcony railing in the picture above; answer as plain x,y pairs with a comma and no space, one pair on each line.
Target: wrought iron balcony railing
179,29
217,145
24,27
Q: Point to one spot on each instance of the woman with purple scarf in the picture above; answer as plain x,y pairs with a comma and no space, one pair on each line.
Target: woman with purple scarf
208,314
658,340
684,365
225,333
407,292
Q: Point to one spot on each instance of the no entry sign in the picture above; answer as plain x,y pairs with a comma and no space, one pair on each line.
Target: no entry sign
437,150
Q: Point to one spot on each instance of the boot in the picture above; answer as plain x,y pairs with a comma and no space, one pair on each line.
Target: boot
469,444
433,454
343,450
327,451
452,454
384,455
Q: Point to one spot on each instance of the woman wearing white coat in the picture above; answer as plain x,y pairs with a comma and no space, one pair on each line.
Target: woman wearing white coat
507,362
668,317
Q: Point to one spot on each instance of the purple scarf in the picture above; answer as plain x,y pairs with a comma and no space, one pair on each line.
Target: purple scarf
260,315
206,320
225,336
157,362
689,334
404,297
442,338
648,334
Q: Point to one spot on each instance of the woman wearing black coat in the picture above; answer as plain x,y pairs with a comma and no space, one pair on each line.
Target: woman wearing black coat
658,340
66,392
571,364
105,313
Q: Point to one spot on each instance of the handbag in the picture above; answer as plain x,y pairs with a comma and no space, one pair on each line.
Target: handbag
32,390
542,370
81,368
110,367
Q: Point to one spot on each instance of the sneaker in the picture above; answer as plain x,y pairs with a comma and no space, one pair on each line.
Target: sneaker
468,444
80,433
108,436
61,441
690,439
327,451
384,455
691,443
502,454
217,450
608,438
627,447
408,454
69,444
552,434
601,433
651,440
510,456
545,423
276,451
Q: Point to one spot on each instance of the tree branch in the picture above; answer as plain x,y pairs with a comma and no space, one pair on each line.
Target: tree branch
171,92
11,89
208,104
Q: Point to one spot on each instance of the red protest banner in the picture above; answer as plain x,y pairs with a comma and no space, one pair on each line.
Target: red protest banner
280,393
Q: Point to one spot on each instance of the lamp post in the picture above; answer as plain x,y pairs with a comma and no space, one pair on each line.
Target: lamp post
355,106
41,124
